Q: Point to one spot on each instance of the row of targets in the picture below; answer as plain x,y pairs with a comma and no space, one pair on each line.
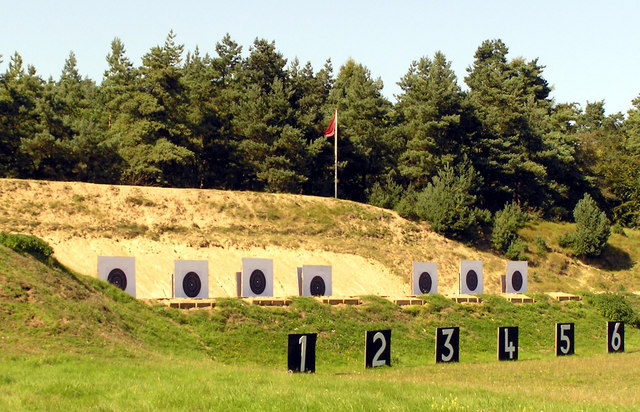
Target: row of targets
191,277
425,277
301,347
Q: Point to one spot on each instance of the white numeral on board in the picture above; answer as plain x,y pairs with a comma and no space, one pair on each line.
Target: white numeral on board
447,344
303,351
376,358
563,337
508,346
616,339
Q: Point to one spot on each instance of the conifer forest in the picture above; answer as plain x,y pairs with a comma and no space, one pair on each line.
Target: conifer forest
255,120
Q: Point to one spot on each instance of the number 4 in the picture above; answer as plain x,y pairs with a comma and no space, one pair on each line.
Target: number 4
508,345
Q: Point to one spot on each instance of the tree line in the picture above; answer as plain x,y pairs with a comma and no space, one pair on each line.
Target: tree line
232,122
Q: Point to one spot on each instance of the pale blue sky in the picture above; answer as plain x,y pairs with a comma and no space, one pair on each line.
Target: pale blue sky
591,49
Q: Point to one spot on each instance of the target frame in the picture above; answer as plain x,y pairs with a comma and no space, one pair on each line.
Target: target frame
466,280
419,268
251,265
127,264
514,267
184,268
309,275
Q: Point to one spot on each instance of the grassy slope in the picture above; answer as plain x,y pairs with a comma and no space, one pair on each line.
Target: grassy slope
77,343
51,309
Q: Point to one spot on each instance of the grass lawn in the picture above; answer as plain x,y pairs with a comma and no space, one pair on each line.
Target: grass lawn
61,382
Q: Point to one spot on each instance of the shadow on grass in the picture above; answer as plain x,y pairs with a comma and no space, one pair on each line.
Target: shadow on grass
612,258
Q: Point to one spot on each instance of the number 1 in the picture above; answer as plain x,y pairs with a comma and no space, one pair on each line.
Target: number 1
303,351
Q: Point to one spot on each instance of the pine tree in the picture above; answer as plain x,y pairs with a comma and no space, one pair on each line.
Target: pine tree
432,119
365,151
592,228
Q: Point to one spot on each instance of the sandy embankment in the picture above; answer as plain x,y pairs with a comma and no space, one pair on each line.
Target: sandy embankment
351,275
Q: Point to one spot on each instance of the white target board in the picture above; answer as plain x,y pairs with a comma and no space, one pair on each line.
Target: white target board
191,278
517,277
316,280
471,277
257,277
120,271
424,278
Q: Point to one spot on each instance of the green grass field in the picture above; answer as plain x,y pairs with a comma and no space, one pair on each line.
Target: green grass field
71,342
86,382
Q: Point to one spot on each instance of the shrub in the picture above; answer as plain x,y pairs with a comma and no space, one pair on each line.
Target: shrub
517,250
406,207
448,202
386,195
592,228
506,224
614,308
618,229
541,245
32,245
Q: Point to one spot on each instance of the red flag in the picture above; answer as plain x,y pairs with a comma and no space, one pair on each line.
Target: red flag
331,130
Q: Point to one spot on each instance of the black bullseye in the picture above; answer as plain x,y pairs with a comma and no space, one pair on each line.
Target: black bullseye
191,284
472,280
516,280
425,282
118,278
257,282
317,286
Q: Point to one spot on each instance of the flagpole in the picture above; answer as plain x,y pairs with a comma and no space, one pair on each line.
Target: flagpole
335,144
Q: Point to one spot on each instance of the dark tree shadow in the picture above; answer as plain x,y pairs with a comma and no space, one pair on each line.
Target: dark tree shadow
612,258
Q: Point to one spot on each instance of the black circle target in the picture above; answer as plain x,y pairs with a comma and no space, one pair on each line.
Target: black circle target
472,280
425,282
257,282
317,286
118,278
191,284
516,280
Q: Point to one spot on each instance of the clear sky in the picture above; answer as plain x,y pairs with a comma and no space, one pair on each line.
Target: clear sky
591,49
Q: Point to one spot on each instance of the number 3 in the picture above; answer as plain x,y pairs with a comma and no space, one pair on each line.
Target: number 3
447,344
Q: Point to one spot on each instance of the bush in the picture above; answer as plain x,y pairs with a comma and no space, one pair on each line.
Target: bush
32,245
506,224
406,207
618,229
448,202
387,195
517,250
592,228
541,245
614,308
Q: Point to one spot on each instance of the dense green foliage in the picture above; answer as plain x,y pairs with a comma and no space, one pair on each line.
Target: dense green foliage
255,121
592,229
506,223
447,203
32,245
614,308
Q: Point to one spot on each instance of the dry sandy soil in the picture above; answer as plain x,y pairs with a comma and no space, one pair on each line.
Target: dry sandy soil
158,225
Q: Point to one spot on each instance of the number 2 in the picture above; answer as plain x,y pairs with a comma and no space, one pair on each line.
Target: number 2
376,358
